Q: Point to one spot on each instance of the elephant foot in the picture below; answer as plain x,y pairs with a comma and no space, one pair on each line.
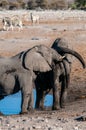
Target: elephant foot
62,105
31,111
42,108
27,112
1,114
23,113
55,108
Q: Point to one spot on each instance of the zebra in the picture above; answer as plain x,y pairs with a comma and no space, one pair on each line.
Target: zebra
34,18
11,22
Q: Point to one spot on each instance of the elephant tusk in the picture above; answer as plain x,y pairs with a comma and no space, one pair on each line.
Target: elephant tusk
62,57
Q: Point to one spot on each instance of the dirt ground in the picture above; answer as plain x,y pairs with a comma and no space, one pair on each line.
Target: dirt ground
74,31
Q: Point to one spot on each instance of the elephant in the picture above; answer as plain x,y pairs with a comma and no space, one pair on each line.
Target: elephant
61,46
13,77
19,72
59,75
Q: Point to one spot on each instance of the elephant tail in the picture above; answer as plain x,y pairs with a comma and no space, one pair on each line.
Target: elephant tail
63,50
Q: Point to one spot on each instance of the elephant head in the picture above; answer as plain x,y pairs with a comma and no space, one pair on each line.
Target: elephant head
40,58
62,48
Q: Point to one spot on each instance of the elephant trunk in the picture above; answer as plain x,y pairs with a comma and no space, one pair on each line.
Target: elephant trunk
63,50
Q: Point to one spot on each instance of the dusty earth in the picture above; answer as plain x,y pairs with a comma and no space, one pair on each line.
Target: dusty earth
73,29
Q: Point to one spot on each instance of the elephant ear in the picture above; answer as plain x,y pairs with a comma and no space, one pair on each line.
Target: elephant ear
34,61
49,54
40,58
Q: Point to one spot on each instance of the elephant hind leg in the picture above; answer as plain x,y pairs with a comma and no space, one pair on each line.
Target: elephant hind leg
40,100
56,94
38,97
56,101
65,83
64,89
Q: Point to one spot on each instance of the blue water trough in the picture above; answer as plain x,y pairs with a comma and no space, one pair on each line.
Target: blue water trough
12,104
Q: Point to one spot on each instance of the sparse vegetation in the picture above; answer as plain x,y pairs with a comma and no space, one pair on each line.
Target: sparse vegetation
31,4
79,4
43,4
21,3
14,5
4,4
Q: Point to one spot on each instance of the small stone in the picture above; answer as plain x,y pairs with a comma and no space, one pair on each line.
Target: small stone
46,120
53,129
76,128
36,127
59,128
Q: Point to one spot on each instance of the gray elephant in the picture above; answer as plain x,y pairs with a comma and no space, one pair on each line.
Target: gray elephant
59,75
13,77
61,46
18,72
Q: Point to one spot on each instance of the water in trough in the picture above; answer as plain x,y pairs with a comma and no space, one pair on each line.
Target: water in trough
12,104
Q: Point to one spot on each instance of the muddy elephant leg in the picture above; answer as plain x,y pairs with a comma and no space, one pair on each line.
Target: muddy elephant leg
37,101
65,83
56,88
26,102
27,93
40,99
64,90
30,103
56,97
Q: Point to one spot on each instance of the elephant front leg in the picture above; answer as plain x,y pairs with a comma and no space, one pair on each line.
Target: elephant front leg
30,103
56,95
27,92
26,102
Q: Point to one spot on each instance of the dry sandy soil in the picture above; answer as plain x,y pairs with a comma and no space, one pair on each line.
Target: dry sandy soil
73,29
